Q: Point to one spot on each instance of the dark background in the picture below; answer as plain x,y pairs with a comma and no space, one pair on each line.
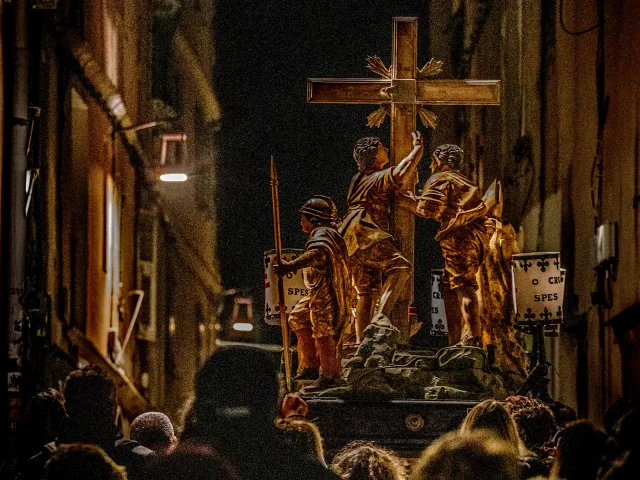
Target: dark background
265,53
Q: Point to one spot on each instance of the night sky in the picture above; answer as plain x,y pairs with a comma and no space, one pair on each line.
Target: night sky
265,53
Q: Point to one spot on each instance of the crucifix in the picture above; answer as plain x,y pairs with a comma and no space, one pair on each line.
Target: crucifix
402,92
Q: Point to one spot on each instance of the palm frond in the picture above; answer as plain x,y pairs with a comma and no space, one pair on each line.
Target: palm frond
376,118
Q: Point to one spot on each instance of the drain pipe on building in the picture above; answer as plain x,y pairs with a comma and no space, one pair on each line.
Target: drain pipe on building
14,221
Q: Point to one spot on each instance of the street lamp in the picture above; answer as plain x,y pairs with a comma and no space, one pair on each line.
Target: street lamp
176,171
176,143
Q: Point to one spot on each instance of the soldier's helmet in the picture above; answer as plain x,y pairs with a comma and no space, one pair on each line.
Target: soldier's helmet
320,207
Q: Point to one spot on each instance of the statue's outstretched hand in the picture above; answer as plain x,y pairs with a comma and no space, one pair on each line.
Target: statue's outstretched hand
417,141
407,200
282,268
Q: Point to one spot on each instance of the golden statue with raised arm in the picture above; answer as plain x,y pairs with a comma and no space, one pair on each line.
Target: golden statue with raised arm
365,229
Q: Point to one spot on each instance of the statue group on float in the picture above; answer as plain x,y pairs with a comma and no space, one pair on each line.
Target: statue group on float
355,273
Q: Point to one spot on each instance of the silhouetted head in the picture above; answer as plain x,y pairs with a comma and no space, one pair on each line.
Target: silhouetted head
627,431
91,405
580,452
474,456
536,422
493,416
78,461
90,394
236,384
154,430
302,438
191,462
43,421
563,414
616,411
367,461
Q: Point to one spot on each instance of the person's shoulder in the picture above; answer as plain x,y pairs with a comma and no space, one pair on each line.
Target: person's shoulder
34,466
127,452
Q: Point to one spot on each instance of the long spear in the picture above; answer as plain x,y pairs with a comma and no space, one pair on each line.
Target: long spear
275,203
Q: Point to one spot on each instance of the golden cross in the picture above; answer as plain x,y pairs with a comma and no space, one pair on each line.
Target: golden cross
402,93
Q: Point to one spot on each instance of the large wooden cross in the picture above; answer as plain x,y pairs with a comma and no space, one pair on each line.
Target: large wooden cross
402,93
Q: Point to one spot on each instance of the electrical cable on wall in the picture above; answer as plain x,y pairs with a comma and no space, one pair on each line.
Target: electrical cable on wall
574,32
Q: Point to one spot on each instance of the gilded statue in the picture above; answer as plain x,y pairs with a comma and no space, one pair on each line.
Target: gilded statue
477,246
318,319
365,229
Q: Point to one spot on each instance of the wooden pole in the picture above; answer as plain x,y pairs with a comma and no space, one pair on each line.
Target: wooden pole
275,203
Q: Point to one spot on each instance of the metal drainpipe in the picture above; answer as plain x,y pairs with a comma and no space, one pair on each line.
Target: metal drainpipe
15,223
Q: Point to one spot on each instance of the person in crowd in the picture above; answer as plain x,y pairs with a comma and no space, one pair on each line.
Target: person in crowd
492,415
367,461
155,431
303,438
535,420
478,455
623,435
43,420
81,461
563,415
580,453
234,411
190,462
627,431
90,401
616,411
625,467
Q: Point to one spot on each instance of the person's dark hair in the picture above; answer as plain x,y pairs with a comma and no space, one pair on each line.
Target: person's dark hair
580,452
451,155
626,431
367,461
78,461
303,438
365,151
616,411
90,393
535,421
493,416
236,389
43,420
562,413
153,430
479,455
191,462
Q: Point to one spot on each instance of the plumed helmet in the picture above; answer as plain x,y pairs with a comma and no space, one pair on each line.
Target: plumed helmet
320,207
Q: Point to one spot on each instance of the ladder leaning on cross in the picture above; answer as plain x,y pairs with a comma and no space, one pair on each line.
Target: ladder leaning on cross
402,92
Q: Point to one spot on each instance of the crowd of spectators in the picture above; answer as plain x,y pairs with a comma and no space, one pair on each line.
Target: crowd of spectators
235,427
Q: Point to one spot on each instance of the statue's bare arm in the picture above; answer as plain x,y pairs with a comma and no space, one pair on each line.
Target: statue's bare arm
403,170
311,258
